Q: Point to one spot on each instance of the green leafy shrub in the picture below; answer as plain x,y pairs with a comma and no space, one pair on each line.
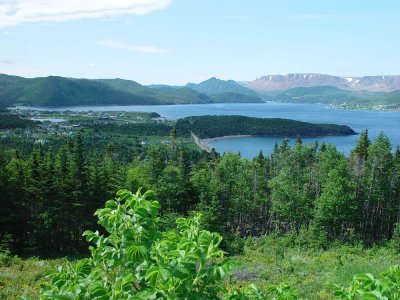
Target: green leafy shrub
366,286
5,258
276,292
394,243
312,237
232,244
138,261
5,253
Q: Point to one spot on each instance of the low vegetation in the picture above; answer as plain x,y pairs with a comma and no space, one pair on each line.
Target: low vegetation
21,277
316,273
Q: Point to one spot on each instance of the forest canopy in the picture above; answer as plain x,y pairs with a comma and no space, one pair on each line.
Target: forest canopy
217,126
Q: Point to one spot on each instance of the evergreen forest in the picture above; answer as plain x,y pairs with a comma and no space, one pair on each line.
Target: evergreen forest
305,197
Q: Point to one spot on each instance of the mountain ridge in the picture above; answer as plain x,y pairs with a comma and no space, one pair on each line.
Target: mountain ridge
268,83
62,91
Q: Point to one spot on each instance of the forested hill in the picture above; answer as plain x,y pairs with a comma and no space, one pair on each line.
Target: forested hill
221,91
218,126
60,91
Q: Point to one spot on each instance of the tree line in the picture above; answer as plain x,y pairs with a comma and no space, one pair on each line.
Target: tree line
49,196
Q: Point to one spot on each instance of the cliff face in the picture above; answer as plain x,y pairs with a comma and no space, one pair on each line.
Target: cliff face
284,82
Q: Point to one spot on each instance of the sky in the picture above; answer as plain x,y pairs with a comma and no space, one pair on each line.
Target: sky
180,41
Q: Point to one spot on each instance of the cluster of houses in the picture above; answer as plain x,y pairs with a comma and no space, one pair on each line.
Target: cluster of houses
59,125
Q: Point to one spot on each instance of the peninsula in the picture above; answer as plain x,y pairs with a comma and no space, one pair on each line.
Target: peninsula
207,127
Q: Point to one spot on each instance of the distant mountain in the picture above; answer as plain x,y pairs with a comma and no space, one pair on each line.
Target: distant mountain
159,86
225,91
163,93
284,82
215,86
60,91
182,95
128,86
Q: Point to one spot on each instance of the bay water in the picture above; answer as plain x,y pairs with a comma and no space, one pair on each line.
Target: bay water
358,120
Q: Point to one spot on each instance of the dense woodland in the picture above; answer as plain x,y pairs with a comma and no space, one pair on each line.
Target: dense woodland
217,126
9,122
49,192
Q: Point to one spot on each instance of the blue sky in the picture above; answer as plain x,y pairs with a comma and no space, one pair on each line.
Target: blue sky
180,41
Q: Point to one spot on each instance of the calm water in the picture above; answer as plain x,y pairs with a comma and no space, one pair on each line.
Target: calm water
375,121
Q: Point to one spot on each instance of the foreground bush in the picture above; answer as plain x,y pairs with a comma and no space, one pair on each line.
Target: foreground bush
366,286
137,261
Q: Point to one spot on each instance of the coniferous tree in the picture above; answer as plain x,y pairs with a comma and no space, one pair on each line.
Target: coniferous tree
337,206
18,201
262,204
5,203
358,162
377,205
396,184
156,163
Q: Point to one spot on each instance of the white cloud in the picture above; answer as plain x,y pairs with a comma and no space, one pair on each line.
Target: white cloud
13,12
136,48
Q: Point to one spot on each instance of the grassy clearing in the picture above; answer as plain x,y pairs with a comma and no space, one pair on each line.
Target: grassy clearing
313,273
21,277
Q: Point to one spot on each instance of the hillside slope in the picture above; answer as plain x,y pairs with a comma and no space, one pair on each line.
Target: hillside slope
61,91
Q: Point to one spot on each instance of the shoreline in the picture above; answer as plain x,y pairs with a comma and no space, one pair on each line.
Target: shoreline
204,143
339,106
200,143
226,137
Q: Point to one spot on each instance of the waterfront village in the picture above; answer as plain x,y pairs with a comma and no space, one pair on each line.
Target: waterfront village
68,123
